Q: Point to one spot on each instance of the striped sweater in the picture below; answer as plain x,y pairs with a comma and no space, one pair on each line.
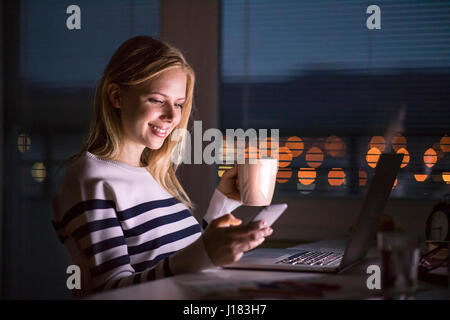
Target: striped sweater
122,228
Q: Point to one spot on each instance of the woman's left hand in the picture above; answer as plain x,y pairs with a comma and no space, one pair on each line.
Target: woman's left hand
229,184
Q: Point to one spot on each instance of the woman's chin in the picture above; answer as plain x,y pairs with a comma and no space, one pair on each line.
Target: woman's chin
154,146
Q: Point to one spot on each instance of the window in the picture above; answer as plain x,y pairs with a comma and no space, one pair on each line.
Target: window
51,77
337,91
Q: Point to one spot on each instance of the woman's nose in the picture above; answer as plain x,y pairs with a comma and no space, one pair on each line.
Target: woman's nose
168,112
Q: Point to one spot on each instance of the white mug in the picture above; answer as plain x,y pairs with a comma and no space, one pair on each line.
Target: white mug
257,181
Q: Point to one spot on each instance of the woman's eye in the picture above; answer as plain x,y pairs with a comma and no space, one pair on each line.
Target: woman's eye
158,101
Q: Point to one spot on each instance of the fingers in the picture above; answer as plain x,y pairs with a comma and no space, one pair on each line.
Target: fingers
252,240
230,173
227,245
249,233
249,228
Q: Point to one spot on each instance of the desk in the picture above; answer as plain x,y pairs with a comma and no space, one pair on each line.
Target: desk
223,283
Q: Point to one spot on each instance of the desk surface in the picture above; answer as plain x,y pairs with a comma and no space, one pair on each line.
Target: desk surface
222,283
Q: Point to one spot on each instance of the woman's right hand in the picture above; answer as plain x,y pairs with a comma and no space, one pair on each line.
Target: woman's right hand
226,240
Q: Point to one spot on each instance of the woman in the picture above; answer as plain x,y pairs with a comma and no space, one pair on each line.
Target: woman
120,209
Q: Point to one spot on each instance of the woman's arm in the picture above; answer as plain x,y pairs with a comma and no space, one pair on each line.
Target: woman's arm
219,205
225,199
93,226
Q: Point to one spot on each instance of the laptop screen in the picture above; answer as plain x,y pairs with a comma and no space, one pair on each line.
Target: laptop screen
372,208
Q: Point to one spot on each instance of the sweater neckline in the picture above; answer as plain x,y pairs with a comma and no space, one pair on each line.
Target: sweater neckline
118,163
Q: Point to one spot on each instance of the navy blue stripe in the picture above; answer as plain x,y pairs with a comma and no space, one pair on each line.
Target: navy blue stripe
157,222
166,267
104,245
205,224
110,265
137,278
151,275
144,207
83,206
93,226
168,238
141,266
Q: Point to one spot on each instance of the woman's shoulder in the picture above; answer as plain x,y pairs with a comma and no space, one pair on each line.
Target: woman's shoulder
84,167
82,180
86,172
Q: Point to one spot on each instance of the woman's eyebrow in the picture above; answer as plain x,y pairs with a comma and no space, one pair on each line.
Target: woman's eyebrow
165,95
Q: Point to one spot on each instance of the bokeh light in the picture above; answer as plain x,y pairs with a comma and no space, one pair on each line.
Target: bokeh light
38,172
314,157
336,177
252,152
406,158
372,157
420,177
227,154
284,157
362,178
284,174
430,157
222,169
395,184
296,145
306,176
437,147
445,143
335,147
23,142
268,148
446,177
377,142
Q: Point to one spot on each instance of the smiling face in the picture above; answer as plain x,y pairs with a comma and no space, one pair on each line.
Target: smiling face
150,111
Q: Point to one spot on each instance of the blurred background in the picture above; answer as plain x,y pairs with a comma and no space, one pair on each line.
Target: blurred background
339,93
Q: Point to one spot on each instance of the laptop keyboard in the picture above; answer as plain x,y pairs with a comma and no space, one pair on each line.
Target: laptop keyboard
312,258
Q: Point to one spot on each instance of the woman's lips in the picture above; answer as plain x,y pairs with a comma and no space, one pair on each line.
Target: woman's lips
157,131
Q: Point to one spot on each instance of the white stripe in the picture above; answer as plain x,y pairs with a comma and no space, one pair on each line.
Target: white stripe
100,235
107,255
89,216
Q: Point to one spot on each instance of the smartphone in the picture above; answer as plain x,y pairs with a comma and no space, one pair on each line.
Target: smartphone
270,213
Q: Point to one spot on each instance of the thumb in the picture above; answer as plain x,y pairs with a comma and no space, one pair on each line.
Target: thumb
225,221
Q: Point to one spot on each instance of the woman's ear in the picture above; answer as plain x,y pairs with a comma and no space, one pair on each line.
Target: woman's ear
114,94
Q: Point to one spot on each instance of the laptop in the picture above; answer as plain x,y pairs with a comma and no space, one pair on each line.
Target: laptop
339,255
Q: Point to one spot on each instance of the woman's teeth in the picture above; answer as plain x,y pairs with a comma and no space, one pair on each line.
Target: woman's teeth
159,130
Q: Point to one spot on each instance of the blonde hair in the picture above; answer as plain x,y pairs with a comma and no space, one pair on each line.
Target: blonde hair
137,60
